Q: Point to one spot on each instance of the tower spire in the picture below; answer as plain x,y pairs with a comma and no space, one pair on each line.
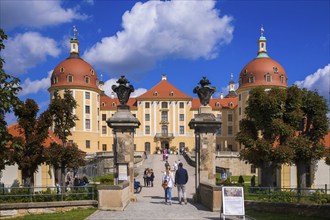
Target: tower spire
262,52
74,43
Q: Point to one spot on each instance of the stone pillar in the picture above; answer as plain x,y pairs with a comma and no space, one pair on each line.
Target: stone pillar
205,125
123,124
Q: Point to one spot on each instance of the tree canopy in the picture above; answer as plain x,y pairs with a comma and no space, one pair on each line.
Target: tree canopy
33,133
283,126
9,88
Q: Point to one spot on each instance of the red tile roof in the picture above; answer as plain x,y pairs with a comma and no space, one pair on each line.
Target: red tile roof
164,91
108,103
217,103
15,130
327,140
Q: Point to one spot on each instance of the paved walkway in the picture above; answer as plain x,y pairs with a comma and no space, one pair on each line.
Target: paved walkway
150,201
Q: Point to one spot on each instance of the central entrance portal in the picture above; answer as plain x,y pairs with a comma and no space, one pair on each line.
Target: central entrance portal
165,145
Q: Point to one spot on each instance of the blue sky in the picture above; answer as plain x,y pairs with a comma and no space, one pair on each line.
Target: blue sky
183,39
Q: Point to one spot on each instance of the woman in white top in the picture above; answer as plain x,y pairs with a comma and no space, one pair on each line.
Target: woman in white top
169,179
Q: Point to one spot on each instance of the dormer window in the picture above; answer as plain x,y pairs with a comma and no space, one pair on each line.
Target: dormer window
231,104
217,104
251,79
69,78
103,104
245,71
62,70
268,77
282,79
113,104
92,72
55,80
275,69
87,79
172,94
155,93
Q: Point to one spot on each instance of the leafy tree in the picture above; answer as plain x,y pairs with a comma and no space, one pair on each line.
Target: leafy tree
33,133
69,156
9,88
306,112
283,126
264,134
61,110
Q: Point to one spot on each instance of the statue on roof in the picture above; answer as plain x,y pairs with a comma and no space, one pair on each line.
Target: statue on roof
205,91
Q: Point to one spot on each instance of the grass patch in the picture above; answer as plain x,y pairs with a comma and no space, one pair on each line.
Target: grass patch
76,214
259,215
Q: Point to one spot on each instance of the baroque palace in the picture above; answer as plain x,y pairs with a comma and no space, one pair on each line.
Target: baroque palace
164,111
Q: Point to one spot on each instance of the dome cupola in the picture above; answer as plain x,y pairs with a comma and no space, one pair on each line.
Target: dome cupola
262,70
74,72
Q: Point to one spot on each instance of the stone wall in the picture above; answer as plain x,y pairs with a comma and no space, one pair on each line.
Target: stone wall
210,196
107,193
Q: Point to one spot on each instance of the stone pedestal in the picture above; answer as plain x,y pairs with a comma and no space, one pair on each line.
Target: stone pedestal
123,124
205,125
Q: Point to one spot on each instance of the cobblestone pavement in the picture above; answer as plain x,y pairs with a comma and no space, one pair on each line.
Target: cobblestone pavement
150,201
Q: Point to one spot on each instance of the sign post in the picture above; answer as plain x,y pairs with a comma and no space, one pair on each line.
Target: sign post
233,201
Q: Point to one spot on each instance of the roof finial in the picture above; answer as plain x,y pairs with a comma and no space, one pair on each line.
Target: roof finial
75,32
262,30
231,76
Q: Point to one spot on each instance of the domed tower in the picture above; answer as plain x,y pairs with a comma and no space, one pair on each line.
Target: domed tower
261,71
80,77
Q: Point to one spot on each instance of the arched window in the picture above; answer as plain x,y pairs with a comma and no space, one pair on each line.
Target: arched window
113,104
172,94
92,72
62,70
155,93
251,79
87,79
282,79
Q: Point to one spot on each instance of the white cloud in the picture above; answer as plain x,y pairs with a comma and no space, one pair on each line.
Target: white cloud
36,13
320,81
156,30
90,2
26,50
108,90
33,87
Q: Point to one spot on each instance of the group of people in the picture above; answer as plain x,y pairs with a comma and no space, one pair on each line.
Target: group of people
177,178
148,177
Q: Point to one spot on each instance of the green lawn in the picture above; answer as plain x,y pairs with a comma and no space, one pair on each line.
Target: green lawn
258,215
76,214
80,214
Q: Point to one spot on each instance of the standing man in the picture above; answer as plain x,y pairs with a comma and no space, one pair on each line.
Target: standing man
181,178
